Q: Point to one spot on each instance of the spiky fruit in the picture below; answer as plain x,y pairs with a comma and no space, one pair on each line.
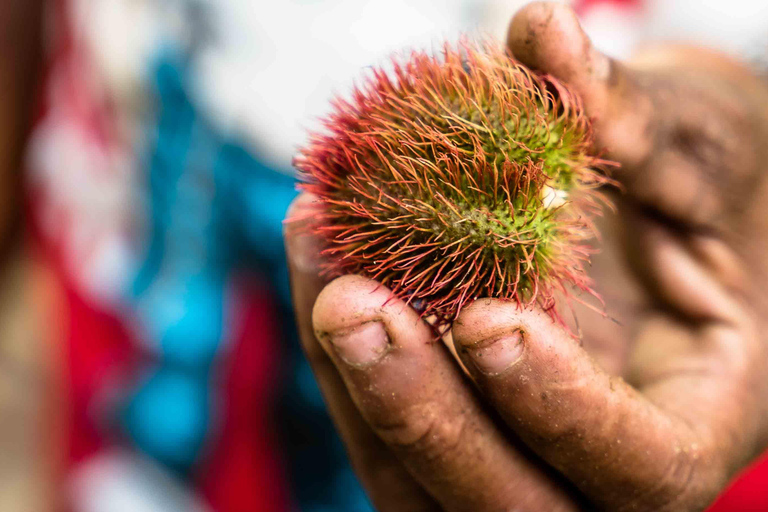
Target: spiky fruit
455,177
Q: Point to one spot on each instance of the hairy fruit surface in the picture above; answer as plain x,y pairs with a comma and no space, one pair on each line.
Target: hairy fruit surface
457,176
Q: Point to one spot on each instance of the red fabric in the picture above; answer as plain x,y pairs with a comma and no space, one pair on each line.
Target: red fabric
749,493
583,5
241,473
98,354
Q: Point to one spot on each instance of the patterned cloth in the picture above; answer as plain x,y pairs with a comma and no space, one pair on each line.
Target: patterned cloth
180,342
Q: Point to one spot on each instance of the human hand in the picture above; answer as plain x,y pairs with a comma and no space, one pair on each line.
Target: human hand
542,425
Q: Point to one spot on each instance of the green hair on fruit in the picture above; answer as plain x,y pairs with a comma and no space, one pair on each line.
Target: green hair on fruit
454,177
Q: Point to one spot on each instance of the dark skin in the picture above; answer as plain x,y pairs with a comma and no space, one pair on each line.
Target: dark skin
20,49
655,413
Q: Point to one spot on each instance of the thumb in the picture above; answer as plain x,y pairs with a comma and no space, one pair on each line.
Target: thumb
548,37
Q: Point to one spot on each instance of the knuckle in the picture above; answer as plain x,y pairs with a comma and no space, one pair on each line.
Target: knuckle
424,429
694,490
691,481
685,485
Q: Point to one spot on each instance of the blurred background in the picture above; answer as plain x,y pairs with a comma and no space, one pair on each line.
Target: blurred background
148,361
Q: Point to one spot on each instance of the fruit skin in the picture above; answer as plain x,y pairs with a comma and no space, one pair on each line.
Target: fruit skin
457,176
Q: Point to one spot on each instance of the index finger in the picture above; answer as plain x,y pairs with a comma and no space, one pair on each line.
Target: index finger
385,479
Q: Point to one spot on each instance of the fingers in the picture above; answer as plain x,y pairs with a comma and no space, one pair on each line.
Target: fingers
691,274
388,484
547,37
411,393
670,448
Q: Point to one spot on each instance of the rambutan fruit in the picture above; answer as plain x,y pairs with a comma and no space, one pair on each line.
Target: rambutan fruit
457,176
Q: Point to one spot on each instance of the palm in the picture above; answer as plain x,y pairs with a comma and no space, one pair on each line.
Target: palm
682,240
606,326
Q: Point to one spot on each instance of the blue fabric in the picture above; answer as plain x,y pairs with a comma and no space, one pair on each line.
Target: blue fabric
214,206
168,417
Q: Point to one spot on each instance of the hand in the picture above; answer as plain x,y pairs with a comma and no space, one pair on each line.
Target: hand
678,401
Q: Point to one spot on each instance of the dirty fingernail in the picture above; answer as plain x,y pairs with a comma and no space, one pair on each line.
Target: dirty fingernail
362,345
493,357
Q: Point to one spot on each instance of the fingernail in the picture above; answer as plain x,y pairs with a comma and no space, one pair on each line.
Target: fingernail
362,345
495,356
